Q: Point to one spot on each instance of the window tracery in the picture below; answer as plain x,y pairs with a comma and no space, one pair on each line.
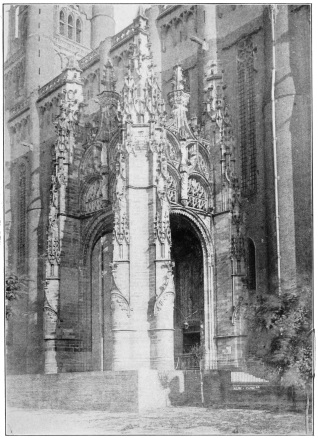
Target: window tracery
70,24
93,198
245,71
197,195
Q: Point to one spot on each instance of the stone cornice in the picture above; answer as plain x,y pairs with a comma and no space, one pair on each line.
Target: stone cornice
125,35
89,60
166,9
18,109
56,83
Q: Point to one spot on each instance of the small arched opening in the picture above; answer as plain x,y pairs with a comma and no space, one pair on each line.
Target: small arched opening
250,264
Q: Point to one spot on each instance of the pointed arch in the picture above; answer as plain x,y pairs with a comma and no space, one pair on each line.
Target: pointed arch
78,30
62,22
70,25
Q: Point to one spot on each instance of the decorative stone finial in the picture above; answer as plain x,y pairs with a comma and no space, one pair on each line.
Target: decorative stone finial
141,12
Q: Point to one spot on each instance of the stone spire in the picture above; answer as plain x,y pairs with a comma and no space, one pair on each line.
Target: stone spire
142,101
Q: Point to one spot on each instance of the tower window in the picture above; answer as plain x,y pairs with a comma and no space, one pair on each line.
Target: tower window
78,30
245,70
70,27
22,226
62,23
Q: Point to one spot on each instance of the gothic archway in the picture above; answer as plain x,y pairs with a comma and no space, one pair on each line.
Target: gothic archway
95,286
187,256
191,253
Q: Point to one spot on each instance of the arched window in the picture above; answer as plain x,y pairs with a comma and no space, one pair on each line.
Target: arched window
70,27
16,23
250,265
62,23
22,225
78,30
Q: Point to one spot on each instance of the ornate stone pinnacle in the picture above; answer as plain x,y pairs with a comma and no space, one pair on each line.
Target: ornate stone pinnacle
109,80
177,79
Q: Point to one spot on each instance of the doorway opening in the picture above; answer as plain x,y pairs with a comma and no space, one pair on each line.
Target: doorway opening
187,255
101,280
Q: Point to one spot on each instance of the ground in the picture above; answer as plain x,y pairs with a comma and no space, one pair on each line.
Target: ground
170,421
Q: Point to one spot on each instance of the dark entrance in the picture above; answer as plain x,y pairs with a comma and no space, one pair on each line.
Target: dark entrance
186,253
101,329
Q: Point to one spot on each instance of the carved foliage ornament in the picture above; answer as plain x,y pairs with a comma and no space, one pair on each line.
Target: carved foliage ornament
166,290
172,189
53,246
118,300
162,228
65,121
121,225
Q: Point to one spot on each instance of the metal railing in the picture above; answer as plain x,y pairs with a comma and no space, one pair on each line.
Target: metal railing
186,362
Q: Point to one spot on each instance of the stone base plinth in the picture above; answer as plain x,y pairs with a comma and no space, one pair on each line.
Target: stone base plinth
112,391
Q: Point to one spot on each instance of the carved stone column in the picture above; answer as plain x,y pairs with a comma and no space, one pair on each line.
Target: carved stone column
162,326
120,293
71,96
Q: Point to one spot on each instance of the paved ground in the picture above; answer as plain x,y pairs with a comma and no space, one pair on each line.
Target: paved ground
169,421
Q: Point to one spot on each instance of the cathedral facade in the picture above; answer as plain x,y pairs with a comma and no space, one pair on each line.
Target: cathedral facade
157,180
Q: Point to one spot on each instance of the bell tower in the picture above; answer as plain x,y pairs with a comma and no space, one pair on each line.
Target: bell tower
102,23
